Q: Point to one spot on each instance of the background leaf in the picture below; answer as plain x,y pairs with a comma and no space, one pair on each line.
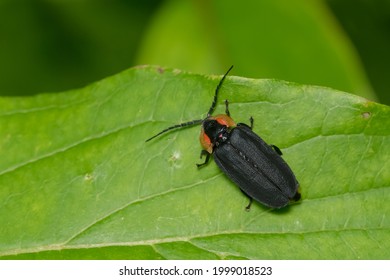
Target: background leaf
367,26
296,41
59,45
77,179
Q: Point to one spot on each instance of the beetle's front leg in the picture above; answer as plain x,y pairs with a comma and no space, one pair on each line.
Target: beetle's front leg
202,153
227,108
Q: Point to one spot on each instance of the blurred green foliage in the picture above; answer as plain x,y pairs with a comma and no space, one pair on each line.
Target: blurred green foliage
54,45
368,26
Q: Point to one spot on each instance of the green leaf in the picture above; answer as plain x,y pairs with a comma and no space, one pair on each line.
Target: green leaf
297,41
78,181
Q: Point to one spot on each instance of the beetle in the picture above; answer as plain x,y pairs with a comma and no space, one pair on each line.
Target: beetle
254,166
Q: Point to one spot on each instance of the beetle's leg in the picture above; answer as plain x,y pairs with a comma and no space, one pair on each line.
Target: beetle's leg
202,153
251,122
297,196
248,207
227,107
277,150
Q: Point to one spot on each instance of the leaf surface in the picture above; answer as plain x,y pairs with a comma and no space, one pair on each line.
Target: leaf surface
78,181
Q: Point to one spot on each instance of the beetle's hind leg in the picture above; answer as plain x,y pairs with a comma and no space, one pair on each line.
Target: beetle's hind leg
248,207
297,196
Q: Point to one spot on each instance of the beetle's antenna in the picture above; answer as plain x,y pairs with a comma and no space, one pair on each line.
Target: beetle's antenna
211,110
190,123
194,122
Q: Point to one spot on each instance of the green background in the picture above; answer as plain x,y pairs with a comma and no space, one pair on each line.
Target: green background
49,45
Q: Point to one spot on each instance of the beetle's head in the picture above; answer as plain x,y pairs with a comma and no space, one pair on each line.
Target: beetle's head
215,131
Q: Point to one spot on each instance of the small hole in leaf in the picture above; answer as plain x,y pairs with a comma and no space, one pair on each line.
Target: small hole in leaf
366,115
174,159
88,177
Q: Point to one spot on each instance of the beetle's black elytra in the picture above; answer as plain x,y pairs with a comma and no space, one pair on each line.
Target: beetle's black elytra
254,166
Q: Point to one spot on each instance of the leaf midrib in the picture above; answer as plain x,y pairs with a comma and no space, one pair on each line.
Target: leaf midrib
189,239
